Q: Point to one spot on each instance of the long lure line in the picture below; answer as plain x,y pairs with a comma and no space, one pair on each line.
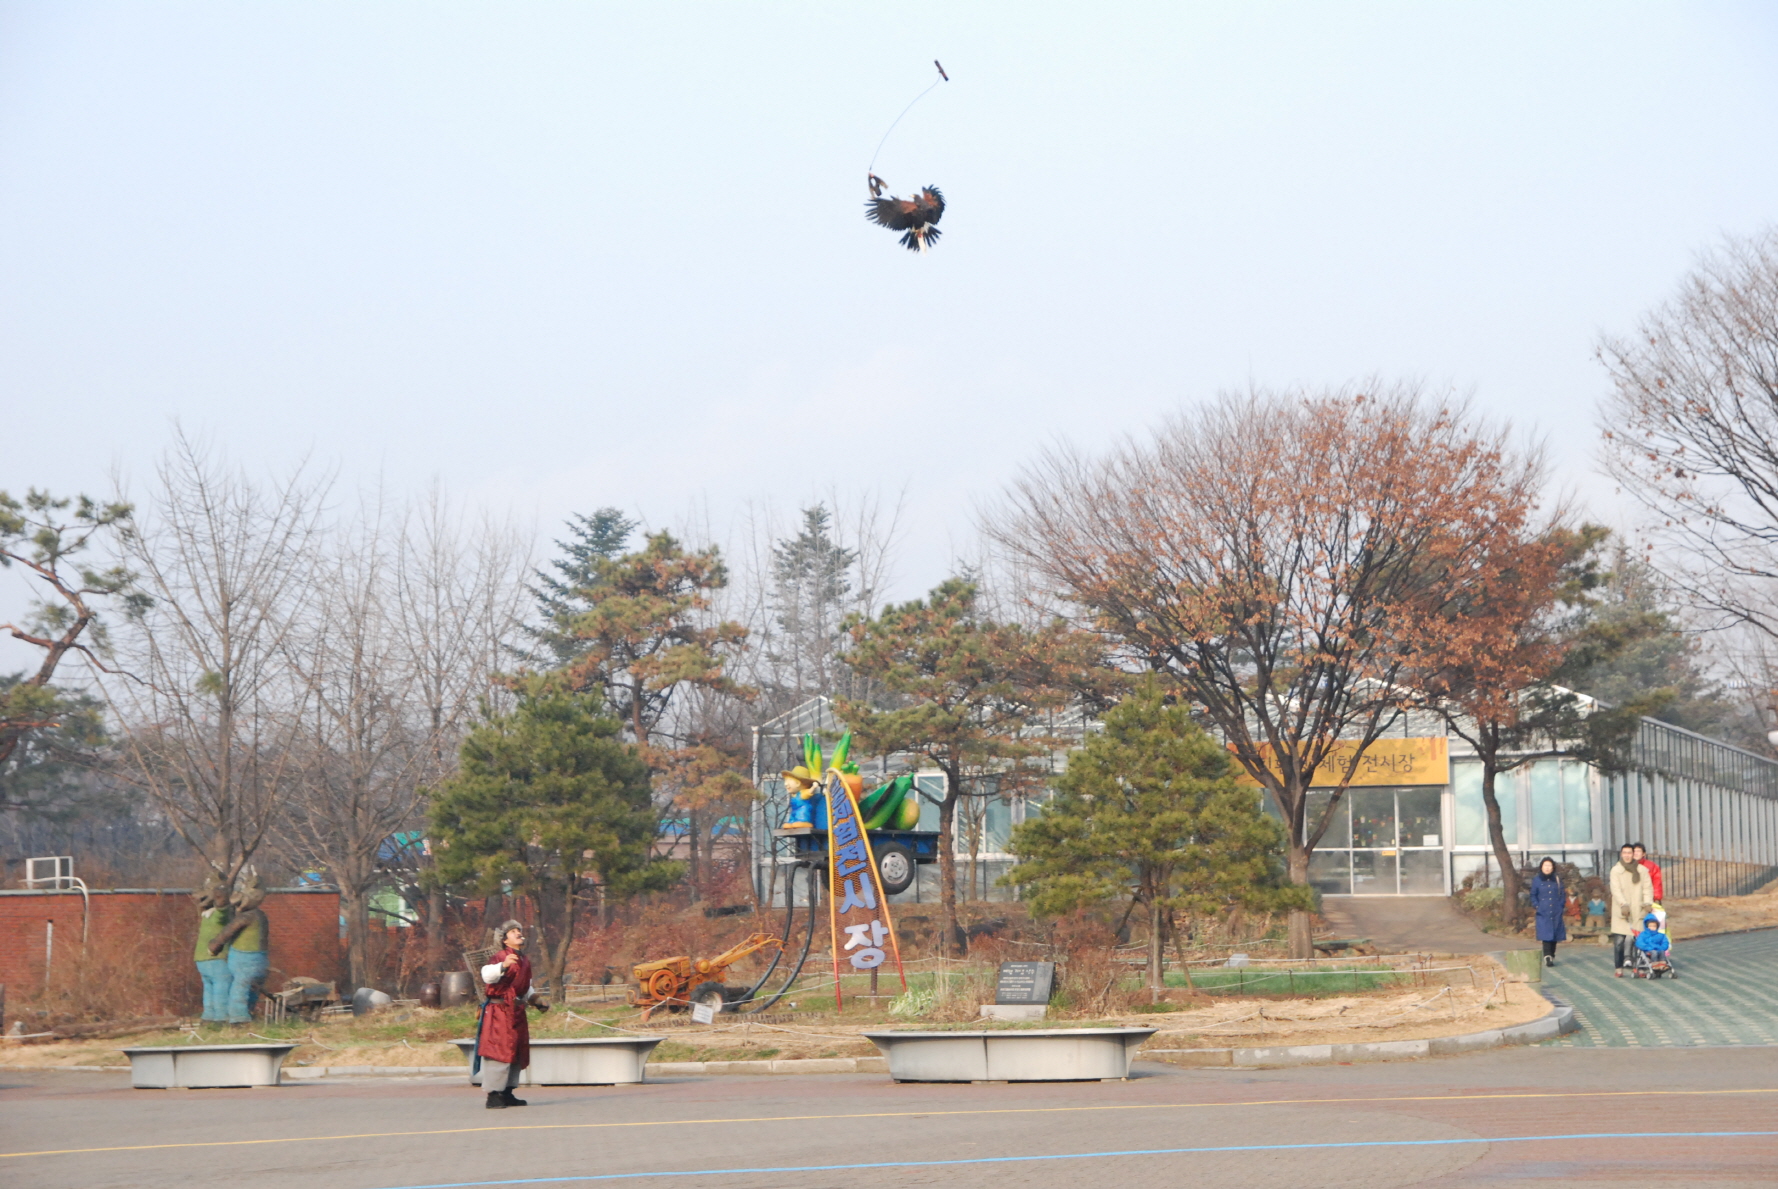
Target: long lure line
942,78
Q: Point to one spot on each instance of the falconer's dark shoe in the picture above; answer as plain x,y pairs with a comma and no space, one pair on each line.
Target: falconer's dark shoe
510,1099
496,1100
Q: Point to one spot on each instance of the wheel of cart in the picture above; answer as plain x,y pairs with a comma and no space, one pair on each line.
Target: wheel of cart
896,867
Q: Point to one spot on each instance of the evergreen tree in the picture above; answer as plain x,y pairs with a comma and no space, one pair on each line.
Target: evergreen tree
1149,810
971,696
636,628
811,586
545,797
562,596
1631,651
48,776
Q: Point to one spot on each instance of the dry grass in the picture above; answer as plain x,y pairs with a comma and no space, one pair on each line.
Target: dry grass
1723,914
419,1037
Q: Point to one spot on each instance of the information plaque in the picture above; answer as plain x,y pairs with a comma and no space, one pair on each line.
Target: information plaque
1025,982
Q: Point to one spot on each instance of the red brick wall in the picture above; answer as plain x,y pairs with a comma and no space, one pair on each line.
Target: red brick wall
158,928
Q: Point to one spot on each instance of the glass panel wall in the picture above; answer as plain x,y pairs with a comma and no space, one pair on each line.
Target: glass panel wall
1420,818
1546,803
1506,792
1380,842
1422,872
1339,831
1577,803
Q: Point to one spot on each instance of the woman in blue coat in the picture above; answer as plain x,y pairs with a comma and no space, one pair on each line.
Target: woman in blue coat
1549,901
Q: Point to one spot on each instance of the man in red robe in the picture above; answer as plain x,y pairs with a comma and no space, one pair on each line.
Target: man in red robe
503,1046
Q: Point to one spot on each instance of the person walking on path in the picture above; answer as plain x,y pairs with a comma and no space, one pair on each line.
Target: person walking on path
213,917
249,941
1632,895
503,1042
1654,873
1654,878
1550,902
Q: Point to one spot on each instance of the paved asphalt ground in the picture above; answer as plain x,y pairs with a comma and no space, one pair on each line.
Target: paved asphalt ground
1542,1116
1726,994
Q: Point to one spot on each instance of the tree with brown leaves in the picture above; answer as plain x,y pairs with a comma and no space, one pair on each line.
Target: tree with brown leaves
1495,686
1287,558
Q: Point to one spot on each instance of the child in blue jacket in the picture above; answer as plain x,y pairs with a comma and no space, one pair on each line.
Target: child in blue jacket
1651,940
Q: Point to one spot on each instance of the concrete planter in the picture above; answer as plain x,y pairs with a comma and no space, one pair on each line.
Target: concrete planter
206,1066
1037,1055
580,1061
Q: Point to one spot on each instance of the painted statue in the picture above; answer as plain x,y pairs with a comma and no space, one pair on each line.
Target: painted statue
892,806
213,916
249,940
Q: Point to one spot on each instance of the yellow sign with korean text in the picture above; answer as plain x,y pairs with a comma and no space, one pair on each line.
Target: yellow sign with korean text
1424,760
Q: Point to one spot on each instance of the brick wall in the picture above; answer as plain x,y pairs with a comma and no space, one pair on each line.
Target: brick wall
158,929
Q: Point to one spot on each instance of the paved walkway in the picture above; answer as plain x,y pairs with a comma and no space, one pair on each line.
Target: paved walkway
1528,1118
1726,994
1402,924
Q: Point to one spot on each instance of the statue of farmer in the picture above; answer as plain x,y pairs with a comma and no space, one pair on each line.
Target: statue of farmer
800,783
503,1040
213,917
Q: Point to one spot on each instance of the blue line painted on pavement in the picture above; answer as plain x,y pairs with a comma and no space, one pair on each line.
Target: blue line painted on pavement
1380,1143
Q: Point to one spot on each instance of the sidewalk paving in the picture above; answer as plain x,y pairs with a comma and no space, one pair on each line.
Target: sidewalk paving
1726,994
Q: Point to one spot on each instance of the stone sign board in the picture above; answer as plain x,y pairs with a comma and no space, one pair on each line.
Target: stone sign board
1025,982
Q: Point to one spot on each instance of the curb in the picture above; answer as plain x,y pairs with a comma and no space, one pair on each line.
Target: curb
655,1069
1558,1022
301,1073
804,1065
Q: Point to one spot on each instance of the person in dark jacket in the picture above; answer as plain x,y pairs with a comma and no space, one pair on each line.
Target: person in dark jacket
1549,899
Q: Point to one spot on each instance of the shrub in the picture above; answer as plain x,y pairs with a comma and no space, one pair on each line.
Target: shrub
1484,899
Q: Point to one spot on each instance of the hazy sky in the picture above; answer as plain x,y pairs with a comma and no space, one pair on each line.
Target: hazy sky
564,256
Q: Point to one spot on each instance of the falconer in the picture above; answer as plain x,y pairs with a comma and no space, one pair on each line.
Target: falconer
503,1042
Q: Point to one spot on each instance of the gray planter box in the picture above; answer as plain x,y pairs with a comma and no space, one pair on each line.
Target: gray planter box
577,1061
206,1066
1015,1055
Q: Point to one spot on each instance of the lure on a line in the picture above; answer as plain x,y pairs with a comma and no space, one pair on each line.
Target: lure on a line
917,217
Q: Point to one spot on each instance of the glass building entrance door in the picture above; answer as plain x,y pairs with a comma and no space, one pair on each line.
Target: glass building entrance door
1386,842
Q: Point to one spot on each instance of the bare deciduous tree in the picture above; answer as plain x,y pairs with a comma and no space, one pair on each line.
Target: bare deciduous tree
1691,429
209,731
397,651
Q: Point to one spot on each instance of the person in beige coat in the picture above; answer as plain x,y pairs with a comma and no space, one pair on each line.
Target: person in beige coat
1632,894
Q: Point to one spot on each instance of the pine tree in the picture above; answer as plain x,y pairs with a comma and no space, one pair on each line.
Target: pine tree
811,585
561,597
547,796
1149,810
971,695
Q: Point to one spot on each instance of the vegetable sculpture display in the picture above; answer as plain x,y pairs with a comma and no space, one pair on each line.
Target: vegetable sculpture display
892,806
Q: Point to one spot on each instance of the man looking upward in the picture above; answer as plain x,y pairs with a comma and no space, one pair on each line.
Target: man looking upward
503,1044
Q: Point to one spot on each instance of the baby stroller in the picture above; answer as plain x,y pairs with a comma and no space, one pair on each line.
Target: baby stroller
1652,960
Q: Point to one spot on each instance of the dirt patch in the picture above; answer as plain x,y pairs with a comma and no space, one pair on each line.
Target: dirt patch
1723,914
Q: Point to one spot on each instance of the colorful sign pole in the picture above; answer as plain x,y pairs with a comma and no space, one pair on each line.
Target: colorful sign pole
858,912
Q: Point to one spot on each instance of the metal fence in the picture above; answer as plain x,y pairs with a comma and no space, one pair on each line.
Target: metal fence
1707,811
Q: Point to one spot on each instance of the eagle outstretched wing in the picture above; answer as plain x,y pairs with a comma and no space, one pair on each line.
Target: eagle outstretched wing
915,215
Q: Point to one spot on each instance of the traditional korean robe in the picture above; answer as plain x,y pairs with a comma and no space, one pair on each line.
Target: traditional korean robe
506,1034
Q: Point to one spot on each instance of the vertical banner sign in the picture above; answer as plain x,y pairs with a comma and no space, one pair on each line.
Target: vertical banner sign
858,911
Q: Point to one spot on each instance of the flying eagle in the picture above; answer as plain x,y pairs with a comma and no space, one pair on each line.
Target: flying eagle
917,216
